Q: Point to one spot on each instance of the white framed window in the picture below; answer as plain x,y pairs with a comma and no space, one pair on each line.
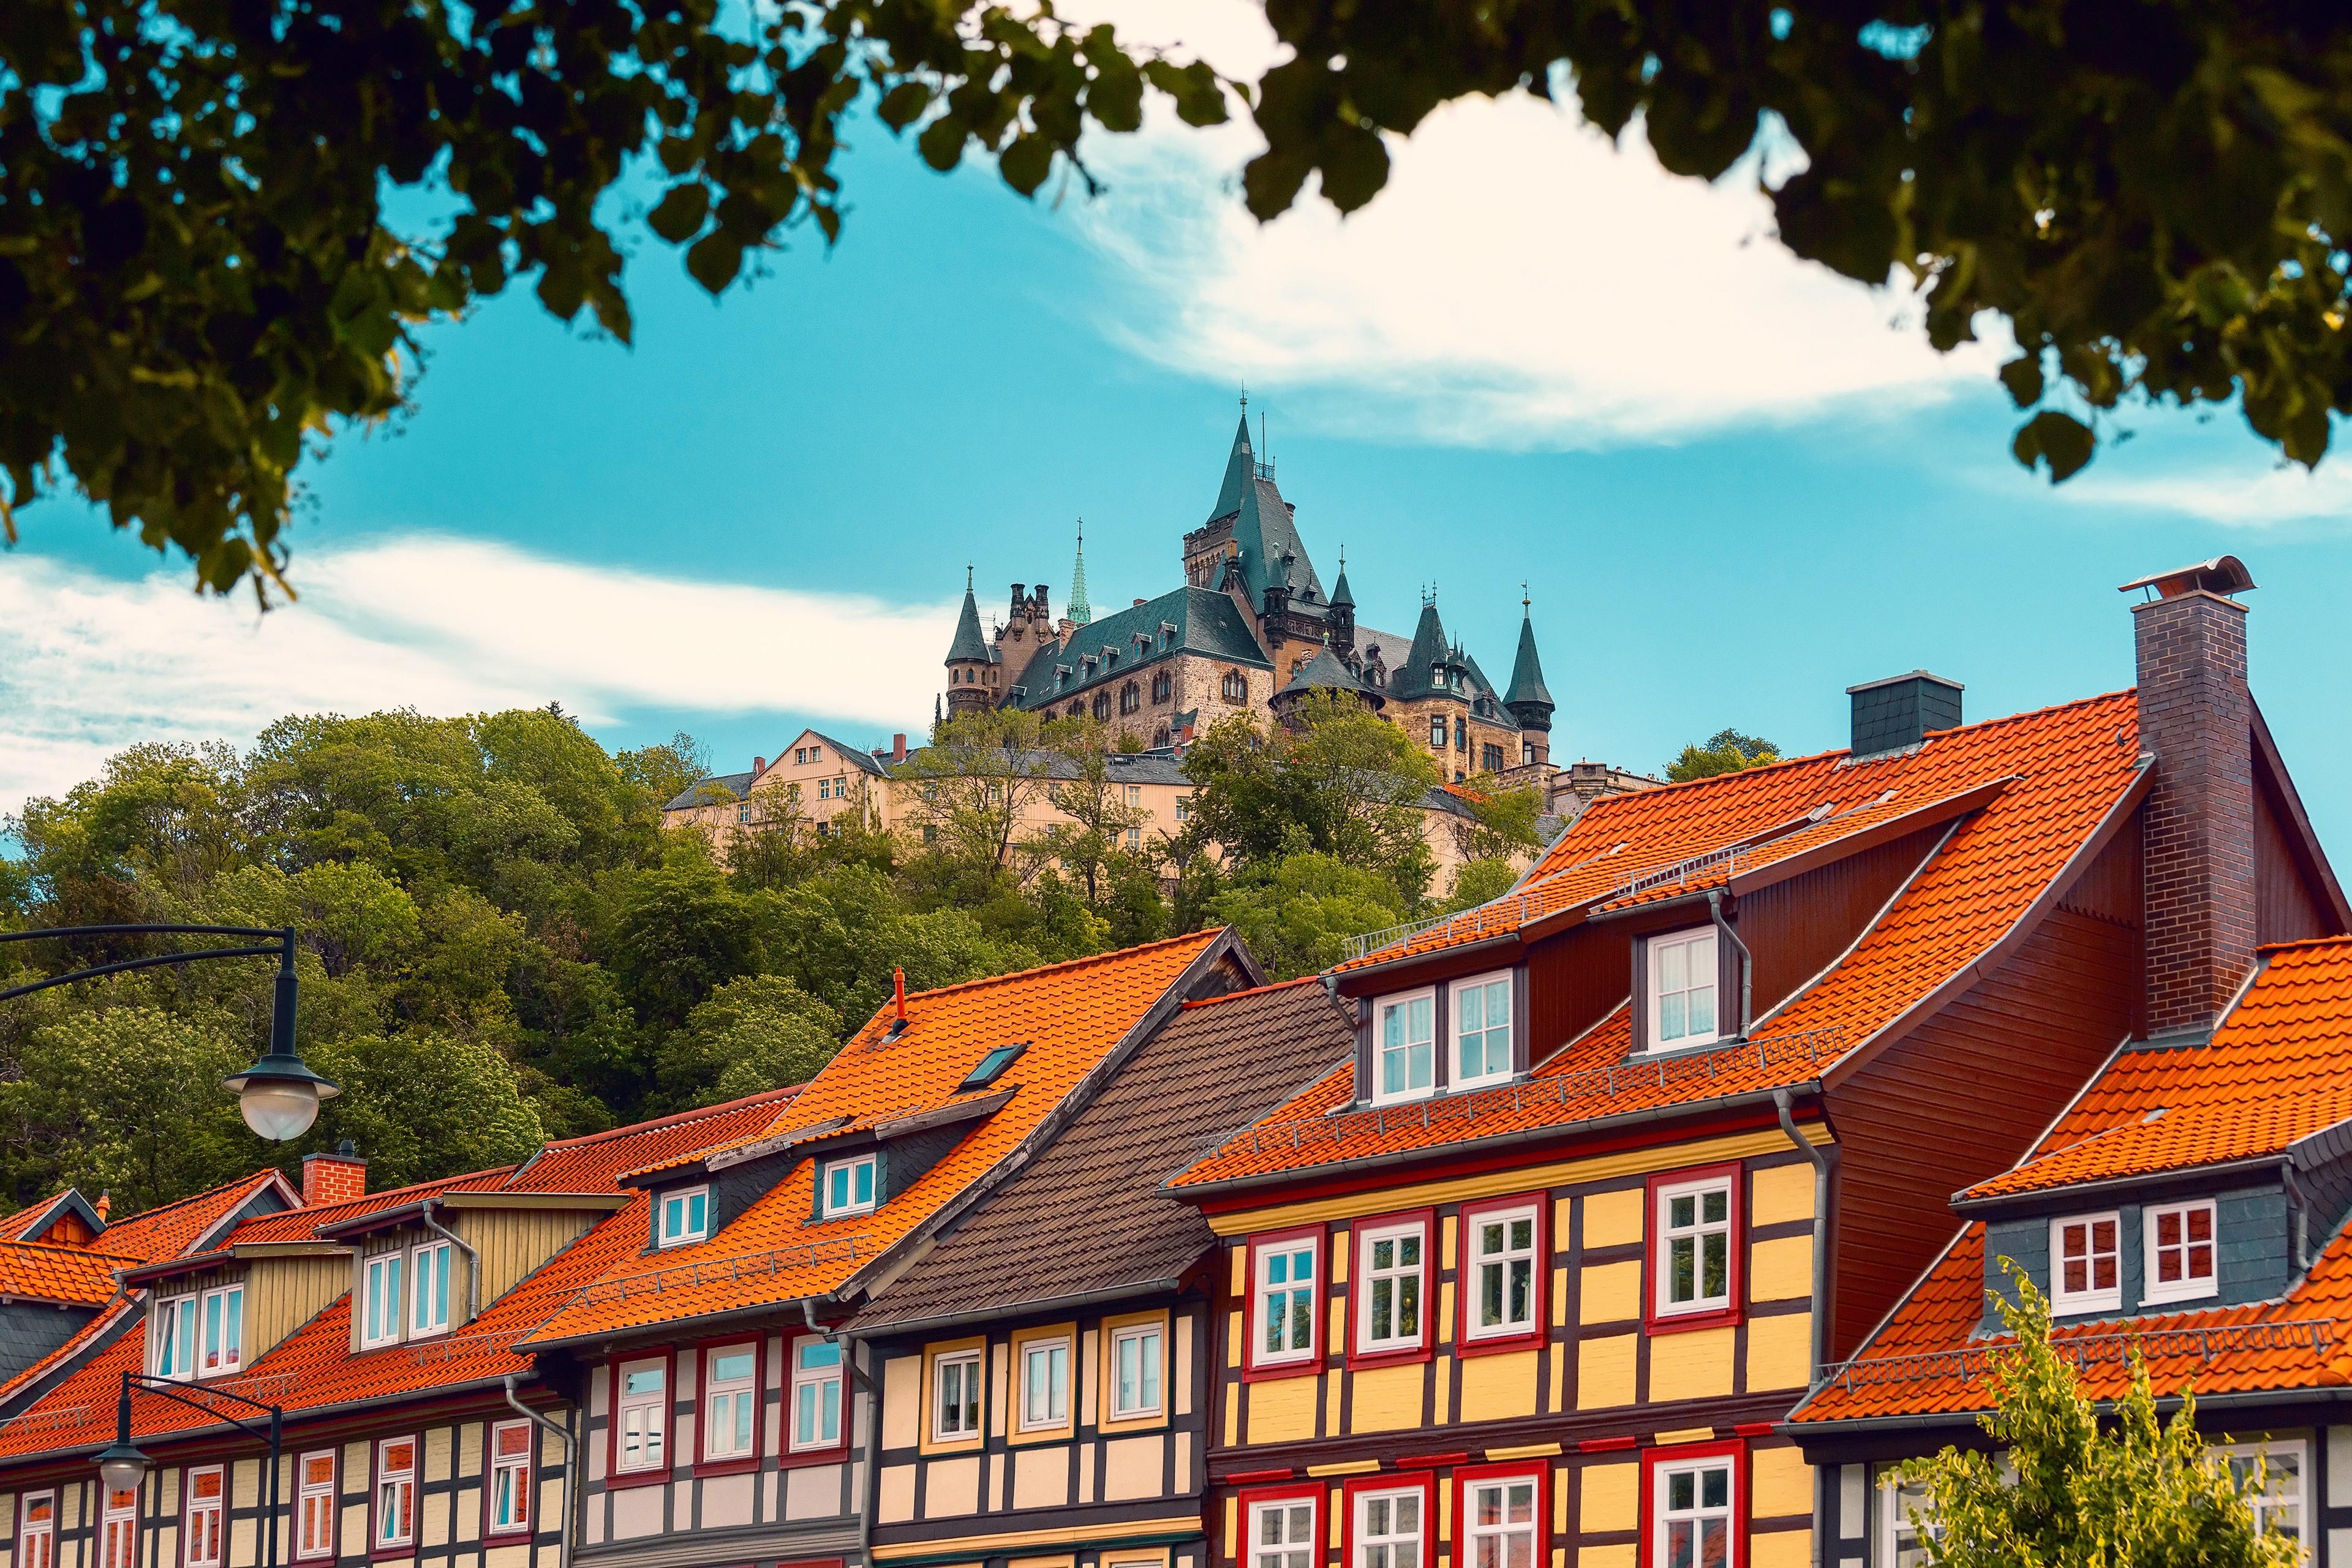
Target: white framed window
36,1531
118,1528
1404,1046
2086,1264
203,1518
955,1397
685,1216
314,1504
1285,1302
730,1401
1695,1513
380,1309
849,1186
1282,1534
1682,989
1503,1266
1502,1523
825,789
1135,1372
1482,1030
1694,1229
816,1394
1045,1384
2180,1246
1387,1529
428,1296
223,1316
1905,1520
641,1414
509,1478
173,1350
395,1492
2271,1477
1390,1263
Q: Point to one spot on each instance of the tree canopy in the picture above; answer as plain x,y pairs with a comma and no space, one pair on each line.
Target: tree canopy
202,274
1726,752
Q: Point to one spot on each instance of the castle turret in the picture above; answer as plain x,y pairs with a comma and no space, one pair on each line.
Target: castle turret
1340,615
1528,699
967,659
1081,613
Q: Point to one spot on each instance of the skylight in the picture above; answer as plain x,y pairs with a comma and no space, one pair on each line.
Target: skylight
992,1066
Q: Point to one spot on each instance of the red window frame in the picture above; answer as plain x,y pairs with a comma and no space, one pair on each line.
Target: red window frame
613,1475
1467,1476
378,1550
1318,1533
1648,1553
1311,1363
1423,1482
1735,1241
787,1457
1358,1297
188,1558
1464,1280
732,1464
491,1530
334,1504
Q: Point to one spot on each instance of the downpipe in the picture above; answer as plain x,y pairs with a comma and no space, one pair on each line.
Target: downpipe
573,1492
872,1447
1746,959
1781,1104
473,1260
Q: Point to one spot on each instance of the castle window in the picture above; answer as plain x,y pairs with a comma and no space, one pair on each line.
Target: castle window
1077,709
1160,741
1234,687
1491,759
1462,734
1527,751
1160,687
1102,704
1131,698
1437,732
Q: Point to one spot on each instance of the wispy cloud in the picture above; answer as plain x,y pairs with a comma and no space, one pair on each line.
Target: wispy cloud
2236,493
1520,283
447,625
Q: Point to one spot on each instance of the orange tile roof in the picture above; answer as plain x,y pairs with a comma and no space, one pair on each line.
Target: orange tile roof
2047,779
14,1227
1071,1016
1927,1360
595,1162
39,1271
2278,1068
176,1228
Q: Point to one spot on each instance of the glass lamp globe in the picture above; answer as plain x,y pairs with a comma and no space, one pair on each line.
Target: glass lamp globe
122,1467
278,1108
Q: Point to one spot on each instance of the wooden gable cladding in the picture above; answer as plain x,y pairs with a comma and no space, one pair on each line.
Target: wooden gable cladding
1797,928
513,1242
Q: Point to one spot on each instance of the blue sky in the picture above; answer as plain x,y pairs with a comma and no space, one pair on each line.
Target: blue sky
1732,488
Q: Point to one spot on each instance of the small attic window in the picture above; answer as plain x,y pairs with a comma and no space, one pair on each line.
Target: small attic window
992,1066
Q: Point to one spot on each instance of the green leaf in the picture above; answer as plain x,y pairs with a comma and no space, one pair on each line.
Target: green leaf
2023,376
1027,162
1355,167
678,216
942,143
903,104
2060,440
715,259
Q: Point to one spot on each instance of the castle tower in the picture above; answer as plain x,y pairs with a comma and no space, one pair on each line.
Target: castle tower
1080,611
1528,699
968,688
1342,614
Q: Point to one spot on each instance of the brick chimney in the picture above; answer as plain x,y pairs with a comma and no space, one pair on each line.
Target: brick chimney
334,1178
2198,835
759,766
898,747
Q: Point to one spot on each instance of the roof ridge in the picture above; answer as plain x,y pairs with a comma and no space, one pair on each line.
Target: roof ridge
675,1119
66,1249
439,1182
1141,947
1252,991
261,1174
2290,945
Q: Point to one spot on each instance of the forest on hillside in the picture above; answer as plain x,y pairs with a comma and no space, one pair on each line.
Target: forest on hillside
502,942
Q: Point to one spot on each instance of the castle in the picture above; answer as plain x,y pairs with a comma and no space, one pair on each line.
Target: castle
1253,630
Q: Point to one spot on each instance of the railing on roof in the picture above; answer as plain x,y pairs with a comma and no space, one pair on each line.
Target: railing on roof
2086,1350
716,1270
1504,914
1812,1046
1726,861
449,1347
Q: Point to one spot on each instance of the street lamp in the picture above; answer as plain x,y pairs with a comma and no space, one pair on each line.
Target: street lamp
277,1096
121,1466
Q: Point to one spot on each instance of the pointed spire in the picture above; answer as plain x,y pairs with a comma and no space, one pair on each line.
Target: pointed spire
1529,699
1241,468
968,643
1080,611
1341,595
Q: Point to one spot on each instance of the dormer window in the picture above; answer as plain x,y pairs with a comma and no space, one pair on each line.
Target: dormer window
2086,1264
992,1066
2180,1251
200,1335
379,1315
1482,1031
1404,1046
1682,980
429,1298
849,1186
685,1216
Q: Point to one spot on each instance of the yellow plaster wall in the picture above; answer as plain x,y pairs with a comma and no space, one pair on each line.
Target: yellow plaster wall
1779,1193
1282,1410
1388,1399
1692,1365
1604,1371
1781,1549
1780,1271
1611,1292
1612,1219
1612,1497
1779,1483
1497,1387
1779,1352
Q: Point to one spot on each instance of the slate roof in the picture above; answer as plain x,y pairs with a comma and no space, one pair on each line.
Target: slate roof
1527,670
715,790
1089,1216
1072,1017
1261,526
1323,672
969,642
1206,623
2025,794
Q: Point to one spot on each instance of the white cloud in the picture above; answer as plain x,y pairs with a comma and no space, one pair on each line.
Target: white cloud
2236,495
1519,282
89,666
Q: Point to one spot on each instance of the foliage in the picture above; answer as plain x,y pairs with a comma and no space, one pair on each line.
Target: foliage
2128,1491
1296,914
1479,882
1724,751
1501,822
749,1035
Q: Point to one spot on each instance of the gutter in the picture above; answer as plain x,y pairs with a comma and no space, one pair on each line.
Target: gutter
2038,1197
1755,1096
1817,1327
573,1490
1747,964
2251,1397
473,1259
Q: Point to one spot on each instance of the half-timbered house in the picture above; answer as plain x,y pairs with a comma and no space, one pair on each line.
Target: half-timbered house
1626,1156
1046,1370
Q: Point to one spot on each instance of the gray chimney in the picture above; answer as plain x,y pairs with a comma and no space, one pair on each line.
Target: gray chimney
1899,710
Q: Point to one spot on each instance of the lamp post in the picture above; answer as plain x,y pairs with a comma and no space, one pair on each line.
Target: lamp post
121,1467
277,1096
